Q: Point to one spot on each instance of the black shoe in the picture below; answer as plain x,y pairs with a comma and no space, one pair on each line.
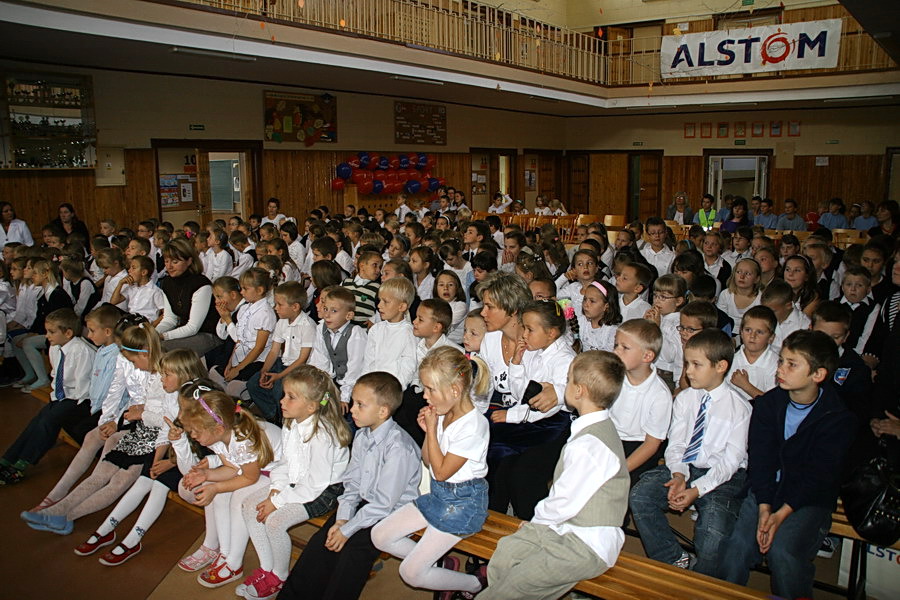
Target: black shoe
10,476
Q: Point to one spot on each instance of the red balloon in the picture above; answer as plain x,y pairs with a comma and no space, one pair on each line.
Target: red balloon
353,162
392,188
373,161
357,176
442,181
431,161
365,187
395,162
337,184
426,175
402,176
381,175
415,175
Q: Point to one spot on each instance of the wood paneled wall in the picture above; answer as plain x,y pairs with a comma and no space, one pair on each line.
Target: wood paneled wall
609,184
36,195
854,178
682,174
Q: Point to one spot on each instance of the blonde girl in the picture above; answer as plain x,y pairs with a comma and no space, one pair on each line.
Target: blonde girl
158,478
28,348
743,290
121,467
255,321
242,448
305,483
448,287
600,317
669,297
423,262
455,451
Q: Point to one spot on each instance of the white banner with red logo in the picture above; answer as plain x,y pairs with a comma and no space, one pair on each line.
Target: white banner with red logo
809,45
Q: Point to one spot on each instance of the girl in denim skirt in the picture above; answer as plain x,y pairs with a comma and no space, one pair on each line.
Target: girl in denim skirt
455,451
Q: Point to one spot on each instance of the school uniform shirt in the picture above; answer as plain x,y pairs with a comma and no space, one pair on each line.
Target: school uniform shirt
76,372
862,322
671,355
147,300
572,490
110,286
96,273
8,298
726,304
422,351
244,262
425,290
467,437
26,304
761,372
636,310
402,211
356,353
391,347
297,252
550,365
240,452
252,318
277,221
18,232
52,298
794,321
499,238
309,463
546,211
732,257
345,262
643,409
465,274
571,290
458,323
662,260
294,336
596,338
103,370
85,288
724,447
218,264
117,397
717,266
289,273
384,472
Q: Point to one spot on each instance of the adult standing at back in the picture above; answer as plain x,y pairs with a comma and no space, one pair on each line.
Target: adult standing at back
13,229
680,211
68,222
189,315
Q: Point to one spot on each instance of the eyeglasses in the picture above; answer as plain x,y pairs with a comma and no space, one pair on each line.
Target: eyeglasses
682,328
662,296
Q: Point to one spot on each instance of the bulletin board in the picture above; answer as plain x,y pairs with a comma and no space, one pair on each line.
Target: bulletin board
304,118
178,192
420,123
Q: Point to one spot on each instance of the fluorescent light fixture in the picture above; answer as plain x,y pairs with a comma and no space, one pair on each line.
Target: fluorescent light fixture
213,54
542,99
860,99
416,80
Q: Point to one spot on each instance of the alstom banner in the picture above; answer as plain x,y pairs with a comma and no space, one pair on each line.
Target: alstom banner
810,45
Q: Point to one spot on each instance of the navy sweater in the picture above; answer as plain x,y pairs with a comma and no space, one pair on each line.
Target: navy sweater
810,461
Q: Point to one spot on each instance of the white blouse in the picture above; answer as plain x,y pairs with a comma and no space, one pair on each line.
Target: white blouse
309,463
18,232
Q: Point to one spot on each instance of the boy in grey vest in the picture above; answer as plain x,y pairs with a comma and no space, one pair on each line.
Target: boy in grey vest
541,560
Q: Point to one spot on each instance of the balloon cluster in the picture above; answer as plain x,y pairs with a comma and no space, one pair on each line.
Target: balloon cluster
379,174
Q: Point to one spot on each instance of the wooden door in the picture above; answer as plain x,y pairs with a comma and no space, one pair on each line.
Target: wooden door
609,183
650,199
204,188
579,180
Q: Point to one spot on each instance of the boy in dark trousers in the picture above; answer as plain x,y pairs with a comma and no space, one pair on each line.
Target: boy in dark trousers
799,434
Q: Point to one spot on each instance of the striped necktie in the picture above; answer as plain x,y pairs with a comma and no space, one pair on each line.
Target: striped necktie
693,449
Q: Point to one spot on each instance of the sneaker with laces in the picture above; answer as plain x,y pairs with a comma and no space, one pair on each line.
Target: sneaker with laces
829,545
686,561
219,574
111,559
265,588
11,476
94,543
201,558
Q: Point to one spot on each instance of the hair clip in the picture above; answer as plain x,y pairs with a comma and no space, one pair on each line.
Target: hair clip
565,306
325,398
199,398
127,349
237,407
141,325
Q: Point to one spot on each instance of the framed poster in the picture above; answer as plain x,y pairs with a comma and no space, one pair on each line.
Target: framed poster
706,130
416,123
793,129
774,128
690,130
722,130
758,129
300,118
740,129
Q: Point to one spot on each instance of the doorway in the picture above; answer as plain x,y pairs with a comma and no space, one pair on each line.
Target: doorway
742,174
645,185
493,170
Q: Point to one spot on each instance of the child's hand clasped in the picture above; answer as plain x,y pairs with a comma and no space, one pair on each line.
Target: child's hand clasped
264,509
427,418
135,412
205,494
336,539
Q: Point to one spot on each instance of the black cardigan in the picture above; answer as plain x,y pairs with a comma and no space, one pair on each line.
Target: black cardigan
58,299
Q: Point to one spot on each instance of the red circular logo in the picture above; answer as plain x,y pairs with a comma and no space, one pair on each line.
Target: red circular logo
776,48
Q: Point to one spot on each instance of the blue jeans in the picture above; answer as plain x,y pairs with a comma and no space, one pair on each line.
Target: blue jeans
792,553
717,511
267,400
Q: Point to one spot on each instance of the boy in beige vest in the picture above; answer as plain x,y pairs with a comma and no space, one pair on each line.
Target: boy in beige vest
541,560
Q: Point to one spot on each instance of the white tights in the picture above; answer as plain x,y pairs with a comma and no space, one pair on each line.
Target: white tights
103,487
130,501
417,568
271,539
82,461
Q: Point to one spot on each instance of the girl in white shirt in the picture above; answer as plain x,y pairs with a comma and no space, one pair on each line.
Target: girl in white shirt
669,296
242,449
448,287
451,253
423,263
743,290
305,483
575,281
221,261
599,317
455,451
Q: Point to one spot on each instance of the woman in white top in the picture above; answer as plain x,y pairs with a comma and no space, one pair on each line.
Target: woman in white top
11,228
273,216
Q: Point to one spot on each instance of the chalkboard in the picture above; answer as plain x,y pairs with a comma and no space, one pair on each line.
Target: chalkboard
420,123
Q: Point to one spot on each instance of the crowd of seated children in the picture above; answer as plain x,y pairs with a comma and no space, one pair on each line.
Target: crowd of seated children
504,358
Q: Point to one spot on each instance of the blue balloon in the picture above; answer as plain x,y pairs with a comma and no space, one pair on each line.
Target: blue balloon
344,171
384,163
413,186
364,159
404,161
377,186
433,184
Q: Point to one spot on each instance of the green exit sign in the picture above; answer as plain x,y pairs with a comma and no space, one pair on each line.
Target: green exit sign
746,2
740,142
637,143
196,127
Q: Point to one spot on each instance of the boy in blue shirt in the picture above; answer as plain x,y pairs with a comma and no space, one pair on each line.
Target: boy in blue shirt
799,435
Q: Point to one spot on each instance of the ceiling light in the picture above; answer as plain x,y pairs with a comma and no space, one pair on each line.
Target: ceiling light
213,54
416,80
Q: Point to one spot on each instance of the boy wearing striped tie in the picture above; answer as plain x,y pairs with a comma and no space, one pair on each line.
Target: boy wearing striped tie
705,461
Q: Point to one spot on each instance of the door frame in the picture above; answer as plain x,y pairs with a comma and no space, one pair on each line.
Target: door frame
253,148
629,216
517,172
768,152
889,154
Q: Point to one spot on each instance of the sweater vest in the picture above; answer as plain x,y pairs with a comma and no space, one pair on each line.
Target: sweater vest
337,354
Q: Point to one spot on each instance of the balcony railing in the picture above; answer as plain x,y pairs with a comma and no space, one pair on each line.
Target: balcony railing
486,33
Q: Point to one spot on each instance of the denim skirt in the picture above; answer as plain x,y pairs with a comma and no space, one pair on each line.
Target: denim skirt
456,508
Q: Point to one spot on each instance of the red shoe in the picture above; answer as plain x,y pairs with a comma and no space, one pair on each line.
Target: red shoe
89,547
219,574
110,559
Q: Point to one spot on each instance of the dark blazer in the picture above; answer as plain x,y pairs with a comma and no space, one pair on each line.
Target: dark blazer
58,299
688,214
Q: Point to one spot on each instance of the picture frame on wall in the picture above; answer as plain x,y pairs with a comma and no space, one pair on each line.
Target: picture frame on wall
706,130
774,128
793,129
740,129
722,130
690,130
758,129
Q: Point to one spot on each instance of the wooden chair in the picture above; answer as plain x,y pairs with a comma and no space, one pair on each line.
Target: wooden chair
566,226
521,220
587,219
844,238
675,225
802,235
614,220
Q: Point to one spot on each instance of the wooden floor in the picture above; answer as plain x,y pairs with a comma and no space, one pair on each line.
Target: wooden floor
44,564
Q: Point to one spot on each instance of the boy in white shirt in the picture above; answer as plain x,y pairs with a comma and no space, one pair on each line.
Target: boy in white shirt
541,560
643,410
391,345
706,460
752,372
139,294
339,346
112,262
631,282
779,296
656,252
292,343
